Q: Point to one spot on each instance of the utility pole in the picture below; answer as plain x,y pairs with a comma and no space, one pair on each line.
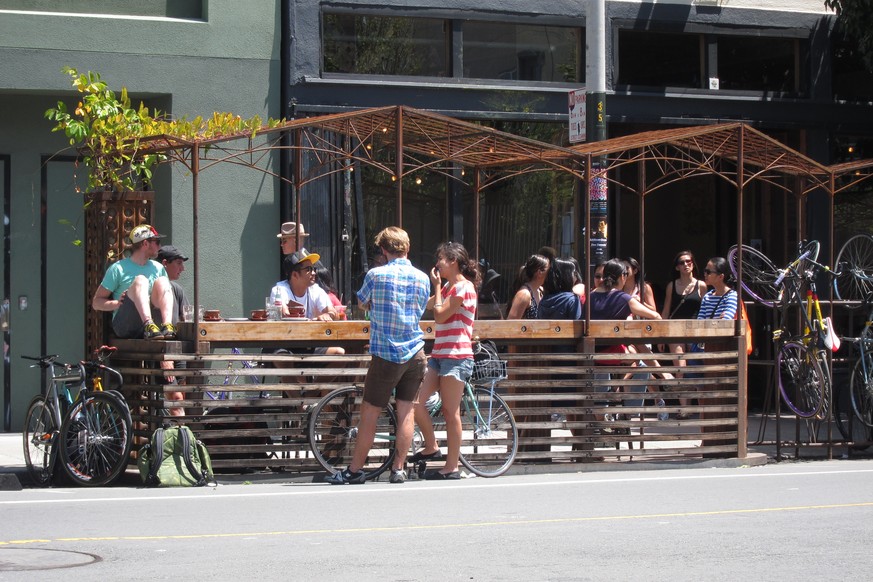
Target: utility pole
595,114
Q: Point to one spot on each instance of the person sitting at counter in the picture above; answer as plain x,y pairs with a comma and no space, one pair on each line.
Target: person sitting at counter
300,286
288,238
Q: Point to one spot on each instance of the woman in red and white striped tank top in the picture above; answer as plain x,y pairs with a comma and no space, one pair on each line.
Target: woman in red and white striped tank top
451,361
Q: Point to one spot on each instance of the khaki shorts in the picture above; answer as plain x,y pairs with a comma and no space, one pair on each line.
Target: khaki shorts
384,376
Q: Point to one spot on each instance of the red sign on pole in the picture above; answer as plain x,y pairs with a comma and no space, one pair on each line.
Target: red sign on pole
577,115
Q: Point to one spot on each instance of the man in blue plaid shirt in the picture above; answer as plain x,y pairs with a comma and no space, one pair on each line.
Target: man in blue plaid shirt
395,295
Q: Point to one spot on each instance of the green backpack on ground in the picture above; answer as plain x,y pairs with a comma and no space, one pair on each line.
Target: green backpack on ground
175,458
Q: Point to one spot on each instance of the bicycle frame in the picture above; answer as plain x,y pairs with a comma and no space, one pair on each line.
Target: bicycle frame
231,379
53,393
813,323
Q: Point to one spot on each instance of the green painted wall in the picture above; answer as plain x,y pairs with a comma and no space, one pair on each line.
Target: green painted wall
227,62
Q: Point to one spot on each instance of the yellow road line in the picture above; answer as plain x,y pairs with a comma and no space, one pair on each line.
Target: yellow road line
558,520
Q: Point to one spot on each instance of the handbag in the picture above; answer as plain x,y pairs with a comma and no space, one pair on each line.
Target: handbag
741,314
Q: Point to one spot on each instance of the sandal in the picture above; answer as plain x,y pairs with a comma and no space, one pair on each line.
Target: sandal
437,476
421,456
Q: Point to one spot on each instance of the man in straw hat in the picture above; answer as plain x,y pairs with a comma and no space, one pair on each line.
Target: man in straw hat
288,237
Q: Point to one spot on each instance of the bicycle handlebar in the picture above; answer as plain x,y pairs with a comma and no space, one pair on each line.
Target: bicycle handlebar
805,257
46,361
784,271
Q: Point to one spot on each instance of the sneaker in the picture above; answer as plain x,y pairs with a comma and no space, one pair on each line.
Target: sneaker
168,330
151,331
346,477
397,476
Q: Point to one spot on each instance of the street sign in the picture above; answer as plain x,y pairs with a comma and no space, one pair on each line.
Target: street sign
577,115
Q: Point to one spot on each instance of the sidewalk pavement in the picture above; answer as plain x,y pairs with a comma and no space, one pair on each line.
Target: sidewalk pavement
762,449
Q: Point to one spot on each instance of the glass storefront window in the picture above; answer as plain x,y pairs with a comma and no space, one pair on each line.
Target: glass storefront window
520,52
653,59
381,45
758,64
852,82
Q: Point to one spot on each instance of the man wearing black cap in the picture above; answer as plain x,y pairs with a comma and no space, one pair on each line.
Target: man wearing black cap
174,262
134,286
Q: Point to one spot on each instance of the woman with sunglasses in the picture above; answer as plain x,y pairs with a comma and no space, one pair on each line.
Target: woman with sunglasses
719,303
682,301
528,288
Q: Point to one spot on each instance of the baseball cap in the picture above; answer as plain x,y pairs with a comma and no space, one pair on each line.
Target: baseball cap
290,229
141,233
170,253
295,259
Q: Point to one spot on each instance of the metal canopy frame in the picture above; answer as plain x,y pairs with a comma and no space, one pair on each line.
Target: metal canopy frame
400,141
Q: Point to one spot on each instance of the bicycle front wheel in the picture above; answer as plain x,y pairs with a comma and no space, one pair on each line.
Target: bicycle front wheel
490,435
861,388
801,380
40,433
855,265
96,439
333,432
758,276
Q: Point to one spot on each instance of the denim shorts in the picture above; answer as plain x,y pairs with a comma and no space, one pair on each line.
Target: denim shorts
460,369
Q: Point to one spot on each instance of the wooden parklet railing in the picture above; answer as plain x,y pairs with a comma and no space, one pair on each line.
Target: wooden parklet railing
572,403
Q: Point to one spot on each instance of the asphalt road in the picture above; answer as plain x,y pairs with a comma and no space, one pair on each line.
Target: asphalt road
777,522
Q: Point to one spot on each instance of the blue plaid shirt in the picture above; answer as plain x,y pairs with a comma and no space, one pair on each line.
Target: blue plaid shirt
397,294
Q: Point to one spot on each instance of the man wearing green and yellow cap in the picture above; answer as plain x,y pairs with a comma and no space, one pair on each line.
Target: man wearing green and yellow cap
133,285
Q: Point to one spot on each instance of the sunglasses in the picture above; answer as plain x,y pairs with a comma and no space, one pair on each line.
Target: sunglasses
306,270
708,272
685,262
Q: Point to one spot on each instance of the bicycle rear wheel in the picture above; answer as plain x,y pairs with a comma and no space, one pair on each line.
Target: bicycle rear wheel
490,435
333,432
96,439
801,380
861,389
855,263
852,429
758,276
40,434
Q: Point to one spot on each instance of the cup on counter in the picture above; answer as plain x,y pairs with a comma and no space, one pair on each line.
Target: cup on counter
187,313
340,312
212,315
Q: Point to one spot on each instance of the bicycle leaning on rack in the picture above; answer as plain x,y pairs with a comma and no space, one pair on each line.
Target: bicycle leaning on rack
801,361
853,410
88,428
489,432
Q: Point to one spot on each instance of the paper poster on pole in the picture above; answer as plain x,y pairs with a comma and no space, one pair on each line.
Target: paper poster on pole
598,197
577,115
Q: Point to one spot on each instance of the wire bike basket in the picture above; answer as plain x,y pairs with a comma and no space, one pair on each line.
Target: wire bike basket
487,365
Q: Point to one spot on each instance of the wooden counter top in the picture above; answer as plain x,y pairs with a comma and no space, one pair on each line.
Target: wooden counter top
559,331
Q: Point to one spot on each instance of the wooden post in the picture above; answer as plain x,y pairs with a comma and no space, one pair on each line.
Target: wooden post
108,220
